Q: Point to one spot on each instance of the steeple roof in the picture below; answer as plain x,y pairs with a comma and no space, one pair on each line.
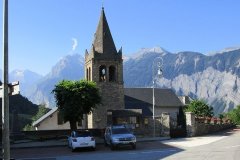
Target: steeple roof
103,41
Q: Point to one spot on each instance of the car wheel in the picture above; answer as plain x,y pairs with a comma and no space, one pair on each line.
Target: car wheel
69,145
112,146
93,148
134,146
73,149
105,143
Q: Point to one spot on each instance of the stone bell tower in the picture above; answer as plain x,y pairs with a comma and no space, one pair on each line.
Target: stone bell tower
104,65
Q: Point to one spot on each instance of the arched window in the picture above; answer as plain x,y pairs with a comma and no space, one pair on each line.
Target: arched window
102,73
87,74
112,74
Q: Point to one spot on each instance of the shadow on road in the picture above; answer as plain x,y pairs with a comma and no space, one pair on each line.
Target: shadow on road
157,148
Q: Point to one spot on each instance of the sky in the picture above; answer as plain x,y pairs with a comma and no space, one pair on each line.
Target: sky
43,31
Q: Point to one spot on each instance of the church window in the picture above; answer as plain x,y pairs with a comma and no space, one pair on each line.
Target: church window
133,120
102,73
112,74
87,74
146,121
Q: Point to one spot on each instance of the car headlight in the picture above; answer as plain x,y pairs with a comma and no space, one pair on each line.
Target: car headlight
115,139
133,138
74,140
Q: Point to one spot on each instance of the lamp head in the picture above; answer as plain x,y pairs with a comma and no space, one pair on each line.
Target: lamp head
159,72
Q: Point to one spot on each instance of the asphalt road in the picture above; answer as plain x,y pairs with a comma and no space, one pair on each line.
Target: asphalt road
225,145
144,149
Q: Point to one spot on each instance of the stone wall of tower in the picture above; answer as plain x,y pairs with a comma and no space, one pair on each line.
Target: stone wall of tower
88,64
112,93
112,99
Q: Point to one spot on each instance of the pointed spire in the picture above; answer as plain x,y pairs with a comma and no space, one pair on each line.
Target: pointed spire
120,50
86,53
103,41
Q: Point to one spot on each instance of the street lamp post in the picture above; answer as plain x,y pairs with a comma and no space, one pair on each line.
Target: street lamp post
156,70
5,98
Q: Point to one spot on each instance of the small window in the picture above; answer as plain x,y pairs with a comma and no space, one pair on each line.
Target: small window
102,73
133,120
112,74
146,121
87,74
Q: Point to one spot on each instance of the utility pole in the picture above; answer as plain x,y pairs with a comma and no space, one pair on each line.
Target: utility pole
5,97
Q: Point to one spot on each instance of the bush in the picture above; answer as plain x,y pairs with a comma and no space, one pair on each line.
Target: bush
28,127
234,115
200,108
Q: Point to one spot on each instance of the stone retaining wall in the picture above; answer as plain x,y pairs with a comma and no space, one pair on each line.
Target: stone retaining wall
200,126
50,134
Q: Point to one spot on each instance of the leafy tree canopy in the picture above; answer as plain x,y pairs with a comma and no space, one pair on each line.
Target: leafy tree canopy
24,109
21,105
76,98
41,111
200,108
234,115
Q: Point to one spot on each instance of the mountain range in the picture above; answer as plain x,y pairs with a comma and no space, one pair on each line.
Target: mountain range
214,78
70,67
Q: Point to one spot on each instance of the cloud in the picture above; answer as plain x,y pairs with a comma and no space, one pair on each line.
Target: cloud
75,43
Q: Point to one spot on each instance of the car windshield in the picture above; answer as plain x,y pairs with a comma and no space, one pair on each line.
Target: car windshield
120,131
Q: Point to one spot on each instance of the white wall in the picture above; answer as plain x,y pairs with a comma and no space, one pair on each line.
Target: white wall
51,123
173,111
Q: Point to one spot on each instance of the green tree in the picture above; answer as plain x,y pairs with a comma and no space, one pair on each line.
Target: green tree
234,115
200,108
28,127
76,98
41,111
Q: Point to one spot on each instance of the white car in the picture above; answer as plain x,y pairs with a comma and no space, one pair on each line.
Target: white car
81,140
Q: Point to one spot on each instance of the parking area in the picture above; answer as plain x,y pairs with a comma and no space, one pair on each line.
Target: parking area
23,153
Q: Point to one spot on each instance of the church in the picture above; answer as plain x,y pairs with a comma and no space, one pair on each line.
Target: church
133,106
104,65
